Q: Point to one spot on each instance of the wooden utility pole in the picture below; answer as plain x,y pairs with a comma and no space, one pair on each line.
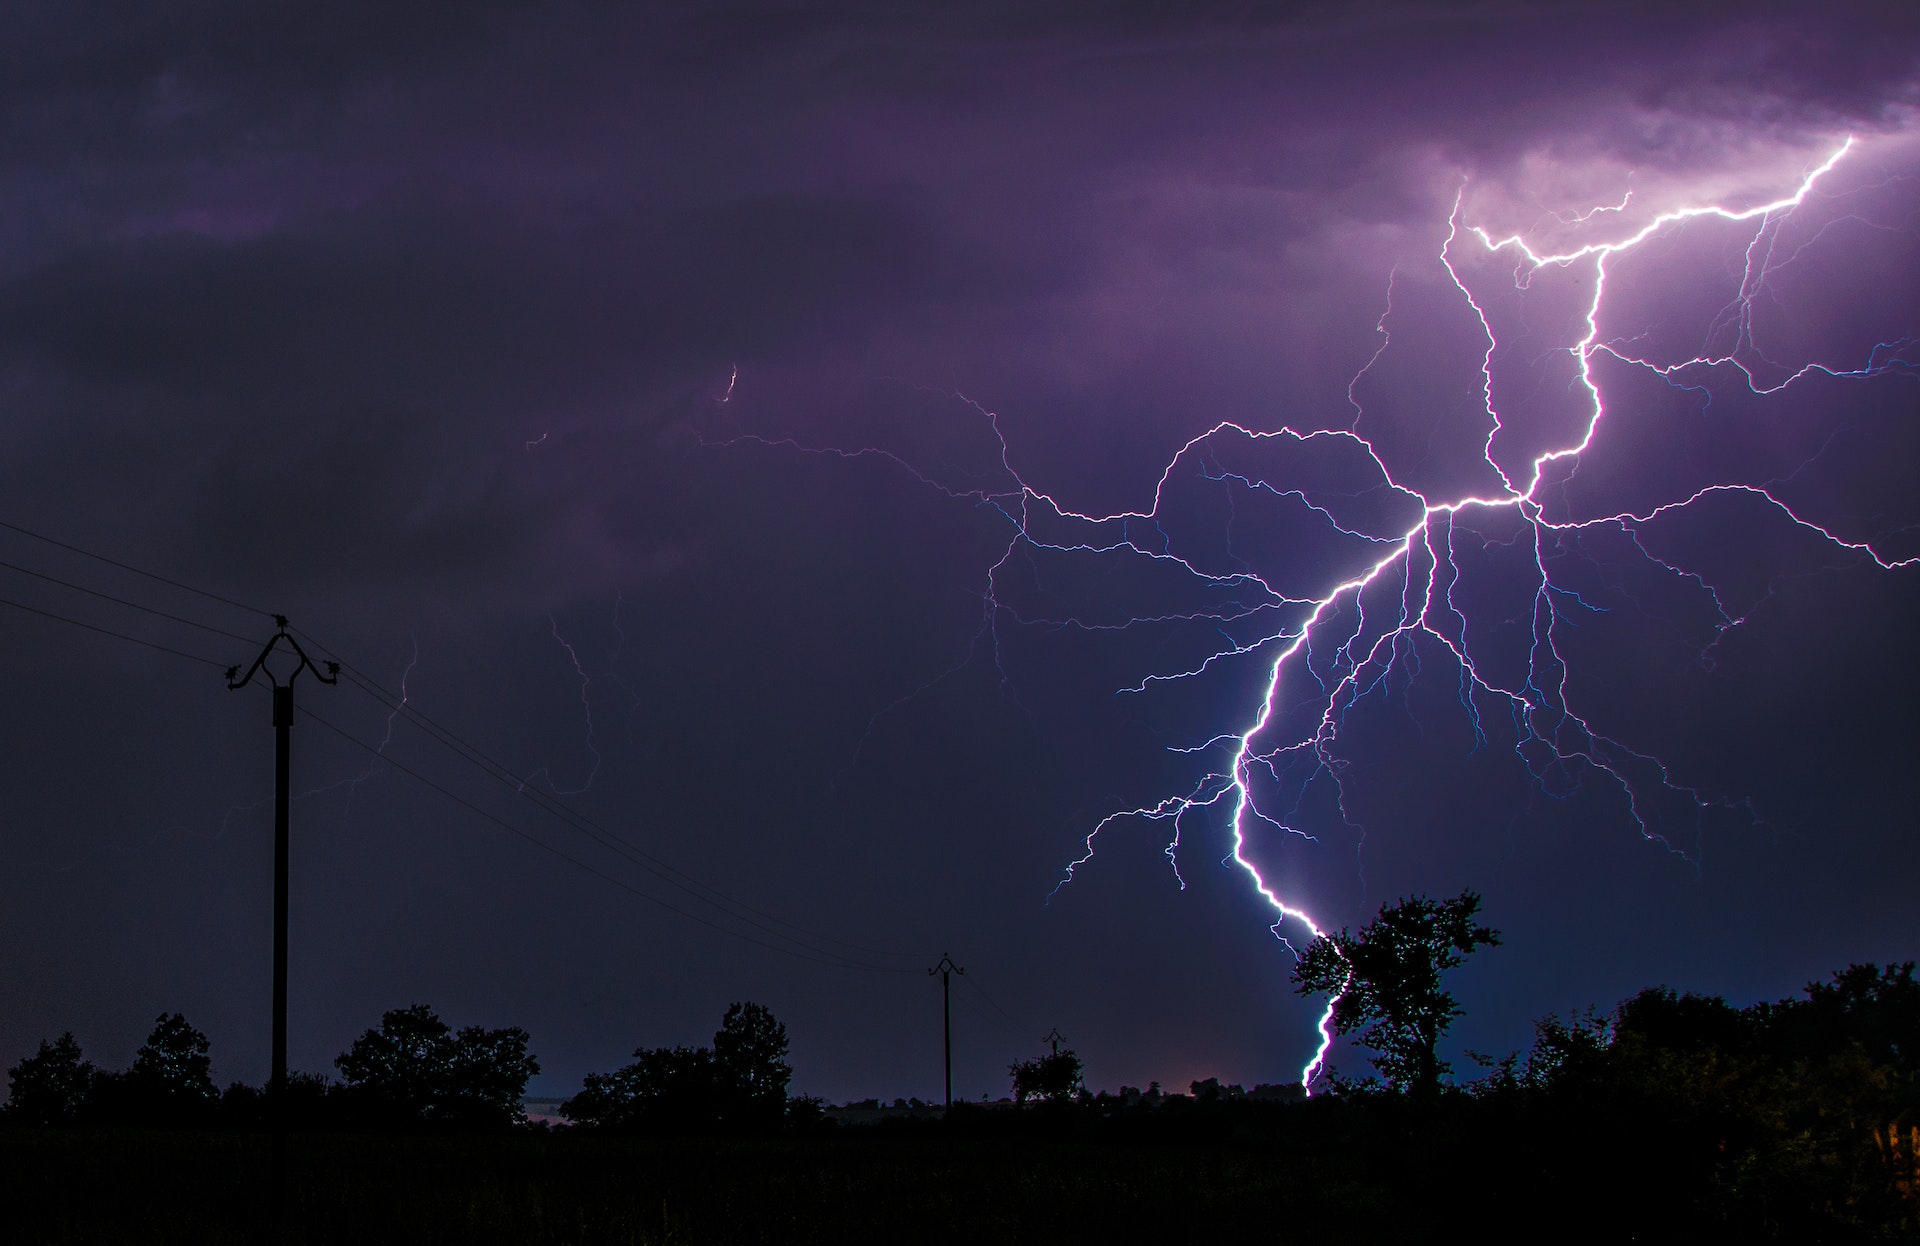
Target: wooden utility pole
946,968
282,783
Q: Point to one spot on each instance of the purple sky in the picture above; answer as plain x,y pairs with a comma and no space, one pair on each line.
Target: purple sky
483,347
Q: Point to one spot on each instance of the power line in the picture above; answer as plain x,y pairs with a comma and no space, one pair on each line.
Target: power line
107,631
678,879
613,841
125,566
122,601
991,1003
544,846
688,884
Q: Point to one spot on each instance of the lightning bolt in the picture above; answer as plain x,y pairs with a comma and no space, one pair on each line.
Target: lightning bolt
386,737
1330,648
586,709
351,782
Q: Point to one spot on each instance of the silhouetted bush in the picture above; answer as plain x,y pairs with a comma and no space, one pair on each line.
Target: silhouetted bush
310,1102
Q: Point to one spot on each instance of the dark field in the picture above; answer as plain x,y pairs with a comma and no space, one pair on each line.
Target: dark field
1306,1173
209,1188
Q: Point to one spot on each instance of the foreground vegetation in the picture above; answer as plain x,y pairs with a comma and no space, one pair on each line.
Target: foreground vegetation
1374,1168
1675,1117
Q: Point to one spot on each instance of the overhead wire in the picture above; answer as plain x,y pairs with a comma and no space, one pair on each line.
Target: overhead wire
127,566
991,1002
575,861
688,884
107,631
122,601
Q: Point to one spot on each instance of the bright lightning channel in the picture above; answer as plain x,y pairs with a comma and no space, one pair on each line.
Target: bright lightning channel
1527,701
1553,736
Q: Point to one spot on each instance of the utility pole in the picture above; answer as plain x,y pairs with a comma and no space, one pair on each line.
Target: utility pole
1055,1038
282,780
946,969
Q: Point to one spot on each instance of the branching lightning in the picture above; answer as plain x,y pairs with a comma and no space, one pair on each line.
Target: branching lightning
351,783
1331,647
386,736
586,709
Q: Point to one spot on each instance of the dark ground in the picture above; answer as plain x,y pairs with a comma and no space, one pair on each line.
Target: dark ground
210,1188
1300,1173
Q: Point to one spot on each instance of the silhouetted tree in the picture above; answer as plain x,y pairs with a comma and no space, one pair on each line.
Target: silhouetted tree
488,1075
750,1063
50,1087
1855,1043
1052,1078
310,1101
1387,979
740,1082
1797,1120
1209,1090
665,1089
1688,1024
1566,1054
1874,1008
170,1082
415,1070
174,1059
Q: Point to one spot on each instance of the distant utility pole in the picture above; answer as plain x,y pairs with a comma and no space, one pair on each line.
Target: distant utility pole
1055,1037
282,767
946,969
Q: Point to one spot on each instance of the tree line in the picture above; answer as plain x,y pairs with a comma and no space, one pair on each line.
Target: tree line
1798,1112
1798,1116
415,1072
737,1085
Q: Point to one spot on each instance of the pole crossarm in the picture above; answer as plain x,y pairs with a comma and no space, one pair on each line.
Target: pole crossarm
1055,1038
237,681
946,969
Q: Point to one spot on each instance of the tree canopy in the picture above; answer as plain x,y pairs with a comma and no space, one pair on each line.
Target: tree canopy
173,1062
1797,1119
1386,978
1052,1078
51,1086
750,1061
738,1083
416,1069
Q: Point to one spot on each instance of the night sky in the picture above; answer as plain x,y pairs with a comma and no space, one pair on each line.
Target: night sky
690,406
